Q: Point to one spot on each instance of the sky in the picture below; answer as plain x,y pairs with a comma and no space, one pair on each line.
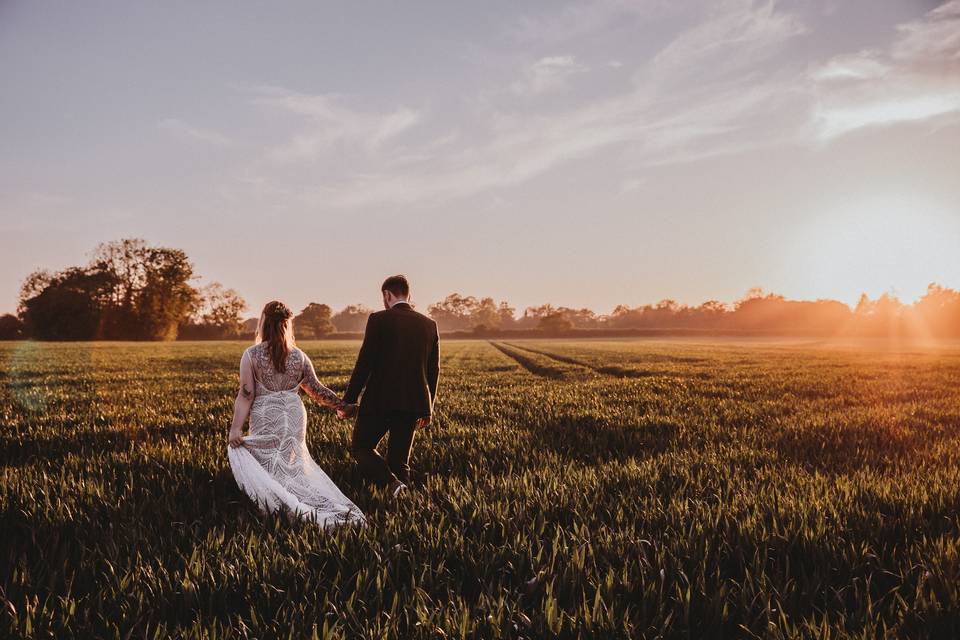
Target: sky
586,154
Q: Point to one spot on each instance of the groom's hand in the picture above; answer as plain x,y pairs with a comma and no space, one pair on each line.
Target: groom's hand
423,423
347,411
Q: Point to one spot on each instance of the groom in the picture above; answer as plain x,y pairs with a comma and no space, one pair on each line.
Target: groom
399,364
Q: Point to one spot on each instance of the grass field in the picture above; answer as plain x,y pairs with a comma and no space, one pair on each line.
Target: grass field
596,489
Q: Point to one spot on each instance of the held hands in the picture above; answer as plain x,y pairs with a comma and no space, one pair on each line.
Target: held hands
345,411
423,423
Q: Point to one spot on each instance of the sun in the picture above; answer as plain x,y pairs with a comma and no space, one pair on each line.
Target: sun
877,245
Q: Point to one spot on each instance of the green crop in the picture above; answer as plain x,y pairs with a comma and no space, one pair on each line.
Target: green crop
572,488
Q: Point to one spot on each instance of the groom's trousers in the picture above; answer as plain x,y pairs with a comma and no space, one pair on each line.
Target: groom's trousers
367,434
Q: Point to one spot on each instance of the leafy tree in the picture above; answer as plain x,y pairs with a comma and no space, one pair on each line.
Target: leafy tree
505,315
127,260
314,321
128,291
249,327
216,315
454,312
937,312
457,312
881,317
68,306
166,297
485,313
532,316
33,285
11,328
351,319
556,322
222,308
578,318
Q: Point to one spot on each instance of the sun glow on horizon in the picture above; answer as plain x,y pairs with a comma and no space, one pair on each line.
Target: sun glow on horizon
883,244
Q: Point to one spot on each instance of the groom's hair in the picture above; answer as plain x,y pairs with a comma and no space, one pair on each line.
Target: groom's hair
397,285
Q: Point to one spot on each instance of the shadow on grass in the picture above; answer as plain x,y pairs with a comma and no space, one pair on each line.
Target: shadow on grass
838,448
529,364
609,370
590,440
97,442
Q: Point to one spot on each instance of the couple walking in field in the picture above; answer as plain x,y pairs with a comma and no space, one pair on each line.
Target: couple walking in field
397,371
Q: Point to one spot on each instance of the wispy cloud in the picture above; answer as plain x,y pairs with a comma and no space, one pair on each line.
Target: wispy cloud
865,65
915,79
740,34
548,74
667,115
580,19
717,87
186,131
331,125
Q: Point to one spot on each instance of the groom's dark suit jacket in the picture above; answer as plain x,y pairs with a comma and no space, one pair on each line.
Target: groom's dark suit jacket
399,363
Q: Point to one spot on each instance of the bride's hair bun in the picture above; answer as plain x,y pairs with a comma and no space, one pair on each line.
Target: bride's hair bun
278,311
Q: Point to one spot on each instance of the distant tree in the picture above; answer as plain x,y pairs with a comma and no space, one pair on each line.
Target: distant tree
11,328
578,318
483,330
882,317
937,313
314,321
581,318
541,311
127,260
351,319
712,308
166,297
624,317
454,312
532,315
709,315
222,308
68,306
33,285
128,291
216,314
555,322
249,326
485,313
772,313
457,313
506,315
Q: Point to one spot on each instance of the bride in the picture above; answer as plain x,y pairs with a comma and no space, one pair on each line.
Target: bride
272,463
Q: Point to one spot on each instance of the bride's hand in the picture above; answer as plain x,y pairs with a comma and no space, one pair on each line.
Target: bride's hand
345,411
235,438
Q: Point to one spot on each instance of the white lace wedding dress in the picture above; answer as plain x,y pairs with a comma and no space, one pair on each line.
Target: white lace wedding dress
273,466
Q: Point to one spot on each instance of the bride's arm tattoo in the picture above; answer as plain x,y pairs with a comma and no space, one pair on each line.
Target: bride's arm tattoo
320,393
245,392
316,390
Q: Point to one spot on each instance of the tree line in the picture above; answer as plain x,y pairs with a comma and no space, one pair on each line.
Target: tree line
128,291
133,291
934,315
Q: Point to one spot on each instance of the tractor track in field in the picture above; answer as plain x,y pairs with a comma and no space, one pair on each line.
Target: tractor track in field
527,363
617,372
